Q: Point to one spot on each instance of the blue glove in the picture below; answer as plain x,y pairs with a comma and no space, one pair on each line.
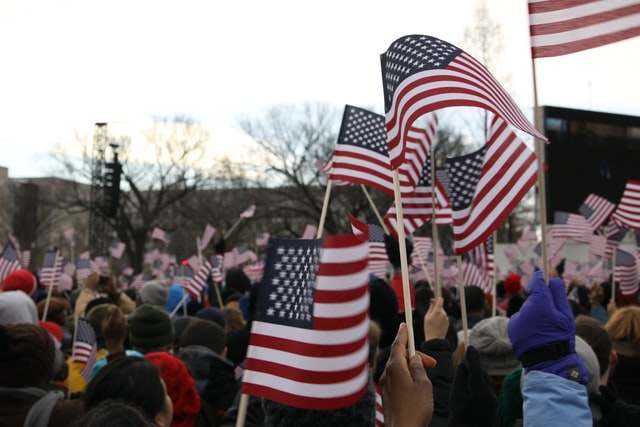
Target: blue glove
543,332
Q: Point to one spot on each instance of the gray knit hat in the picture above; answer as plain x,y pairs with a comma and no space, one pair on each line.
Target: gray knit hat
590,360
154,292
489,337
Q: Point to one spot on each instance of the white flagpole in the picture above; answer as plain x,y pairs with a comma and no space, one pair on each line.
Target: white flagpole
463,302
325,205
375,210
434,227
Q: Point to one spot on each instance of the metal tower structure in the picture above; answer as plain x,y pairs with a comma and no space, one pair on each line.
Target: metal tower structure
97,243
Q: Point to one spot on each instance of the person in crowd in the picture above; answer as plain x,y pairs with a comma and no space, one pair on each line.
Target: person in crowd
153,292
27,357
234,320
596,299
17,307
106,286
135,380
624,328
150,329
476,304
512,287
20,280
176,301
115,412
213,314
543,337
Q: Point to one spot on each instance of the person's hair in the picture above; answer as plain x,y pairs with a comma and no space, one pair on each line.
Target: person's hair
205,333
474,298
514,305
116,412
596,296
624,326
129,378
235,319
593,332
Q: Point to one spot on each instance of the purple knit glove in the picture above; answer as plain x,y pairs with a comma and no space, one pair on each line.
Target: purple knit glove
543,332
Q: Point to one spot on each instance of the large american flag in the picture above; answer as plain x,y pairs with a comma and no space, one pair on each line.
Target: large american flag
561,27
309,340
378,258
628,211
417,207
361,153
8,260
485,186
422,74
85,347
596,210
51,270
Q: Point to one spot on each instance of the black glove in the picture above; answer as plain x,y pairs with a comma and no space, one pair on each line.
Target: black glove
219,246
393,250
473,402
607,402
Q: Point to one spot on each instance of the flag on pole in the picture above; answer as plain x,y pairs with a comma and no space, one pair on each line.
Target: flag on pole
310,232
184,274
529,233
159,234
70,236
254,271
199,281
249,212
52,263
8,260
85,348
486,185
571,226
116,250
309,337
83,266
326,169
378,263
482,256
628,211
262,238
596,210
626,272
209,232
422,74
26,258
561,27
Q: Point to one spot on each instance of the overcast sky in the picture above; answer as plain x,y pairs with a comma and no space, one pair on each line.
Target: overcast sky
68,64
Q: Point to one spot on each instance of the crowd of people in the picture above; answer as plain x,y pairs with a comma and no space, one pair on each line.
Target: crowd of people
163,358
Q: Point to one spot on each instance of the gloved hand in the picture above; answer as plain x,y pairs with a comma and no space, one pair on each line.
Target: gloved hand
543,332
393,250
472,401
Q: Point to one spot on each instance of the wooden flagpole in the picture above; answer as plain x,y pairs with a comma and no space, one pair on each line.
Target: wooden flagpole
403,264
375,210
325,206
233,227
494,293
542,204
434,227
463,302
242,410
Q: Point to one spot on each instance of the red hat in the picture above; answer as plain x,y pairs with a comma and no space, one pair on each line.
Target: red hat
54,330
513,284
20,280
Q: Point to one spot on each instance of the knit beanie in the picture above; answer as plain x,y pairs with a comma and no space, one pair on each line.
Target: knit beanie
155,292
212,314
27,354
489,337
513,284
180,387
150,328
17,307
55,331
590,360
20,280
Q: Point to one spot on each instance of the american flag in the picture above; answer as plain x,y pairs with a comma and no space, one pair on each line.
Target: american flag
159,234
417,207
244,254
422,74
628,211
8,261
529,233
511,254
99,264
615,234
197,284
379,408
217,268
571,226
183,275
378,259
85,348
83,266
523,246
207,235
116,250
597,245
626,271
138,281
26,258
309,339
596,210
52,263
561,27
488,184
361,154
262,238
249,212
326,169
70,236
254,271
474,275
482,256
422,247
310,232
